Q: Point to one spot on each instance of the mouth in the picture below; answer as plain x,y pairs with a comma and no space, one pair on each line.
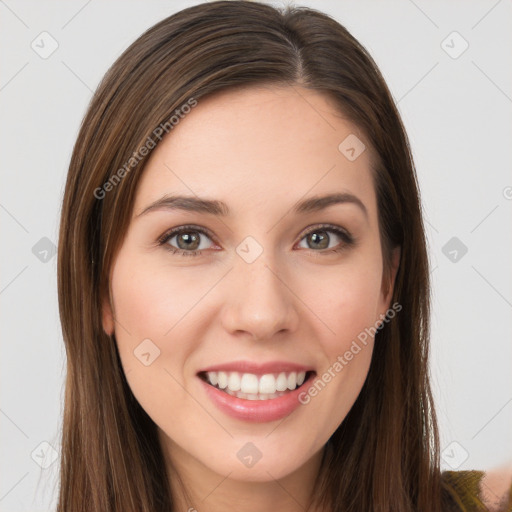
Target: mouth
250,386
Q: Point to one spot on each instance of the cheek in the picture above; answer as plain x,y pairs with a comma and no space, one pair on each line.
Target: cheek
147,307
346,300
151,307
150,300
161,304
347,304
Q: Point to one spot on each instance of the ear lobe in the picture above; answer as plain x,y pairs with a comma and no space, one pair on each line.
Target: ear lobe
107,316
388,284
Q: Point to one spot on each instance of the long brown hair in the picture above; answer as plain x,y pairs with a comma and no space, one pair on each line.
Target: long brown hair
385,454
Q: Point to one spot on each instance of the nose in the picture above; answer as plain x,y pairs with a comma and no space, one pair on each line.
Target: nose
261,303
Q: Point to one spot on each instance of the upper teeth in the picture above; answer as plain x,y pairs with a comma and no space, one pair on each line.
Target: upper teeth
251,383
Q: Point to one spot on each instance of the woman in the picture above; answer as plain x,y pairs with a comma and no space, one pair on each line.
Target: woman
243,279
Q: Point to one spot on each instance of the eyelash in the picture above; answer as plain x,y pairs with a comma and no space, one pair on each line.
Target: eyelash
347,238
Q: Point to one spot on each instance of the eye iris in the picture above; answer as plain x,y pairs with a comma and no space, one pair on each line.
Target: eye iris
322,240
191,240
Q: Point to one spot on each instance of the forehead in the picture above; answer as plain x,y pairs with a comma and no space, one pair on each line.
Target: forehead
255,145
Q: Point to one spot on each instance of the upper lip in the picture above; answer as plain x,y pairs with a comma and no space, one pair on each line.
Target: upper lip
257,368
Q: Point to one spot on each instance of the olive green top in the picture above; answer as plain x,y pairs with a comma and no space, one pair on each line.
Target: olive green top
463,494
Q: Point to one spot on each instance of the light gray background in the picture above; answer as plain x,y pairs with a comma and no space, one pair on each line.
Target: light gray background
457,112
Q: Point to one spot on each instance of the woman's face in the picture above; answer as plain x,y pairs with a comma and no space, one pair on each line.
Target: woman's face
257,289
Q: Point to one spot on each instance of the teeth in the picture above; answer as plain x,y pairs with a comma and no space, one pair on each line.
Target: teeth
234,382
222,380
252,387
249,384
213,378
292,380
267,384
281,382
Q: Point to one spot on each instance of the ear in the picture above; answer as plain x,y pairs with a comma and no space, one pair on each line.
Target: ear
107,315
388,281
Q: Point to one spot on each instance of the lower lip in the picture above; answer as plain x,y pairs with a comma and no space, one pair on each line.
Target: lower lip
256,411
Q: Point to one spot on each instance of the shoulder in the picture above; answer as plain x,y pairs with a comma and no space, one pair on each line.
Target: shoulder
477,491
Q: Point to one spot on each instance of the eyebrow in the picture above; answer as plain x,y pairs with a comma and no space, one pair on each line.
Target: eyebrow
219,208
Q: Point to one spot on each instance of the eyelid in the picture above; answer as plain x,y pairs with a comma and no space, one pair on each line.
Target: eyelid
347,237
171,232
326,227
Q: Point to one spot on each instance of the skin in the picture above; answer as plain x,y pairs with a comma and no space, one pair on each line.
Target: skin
496,486
260,150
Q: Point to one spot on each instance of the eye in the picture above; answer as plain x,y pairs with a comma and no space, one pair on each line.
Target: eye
185,240
319,238
189,240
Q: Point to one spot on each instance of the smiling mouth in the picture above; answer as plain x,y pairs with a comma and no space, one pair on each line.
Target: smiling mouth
249,386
